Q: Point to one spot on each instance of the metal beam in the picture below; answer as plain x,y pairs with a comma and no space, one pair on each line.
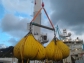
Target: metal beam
32,23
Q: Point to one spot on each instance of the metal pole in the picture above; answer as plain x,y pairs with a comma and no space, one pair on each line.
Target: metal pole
42,26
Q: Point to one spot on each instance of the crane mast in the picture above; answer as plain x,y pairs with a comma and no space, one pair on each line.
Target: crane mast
37,30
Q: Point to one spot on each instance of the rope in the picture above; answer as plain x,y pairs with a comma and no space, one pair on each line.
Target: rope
23,49
36,15
45,13
48,17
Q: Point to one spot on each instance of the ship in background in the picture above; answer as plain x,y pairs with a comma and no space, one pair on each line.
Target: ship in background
76,47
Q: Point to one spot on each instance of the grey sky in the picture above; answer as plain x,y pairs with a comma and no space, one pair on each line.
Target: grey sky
68,14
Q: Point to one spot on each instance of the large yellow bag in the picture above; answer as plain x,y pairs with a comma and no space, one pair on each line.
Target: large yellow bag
50,49
64,48
16,50
28,47
41,52
57,54
53,52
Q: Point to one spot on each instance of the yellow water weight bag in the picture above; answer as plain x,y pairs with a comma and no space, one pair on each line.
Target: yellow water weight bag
64,48
29,48
57,54
50,48
41,52
53,52
16,50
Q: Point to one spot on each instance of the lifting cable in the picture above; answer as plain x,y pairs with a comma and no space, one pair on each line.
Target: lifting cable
48,17
45,13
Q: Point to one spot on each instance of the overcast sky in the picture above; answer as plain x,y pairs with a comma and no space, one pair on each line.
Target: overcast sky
15,14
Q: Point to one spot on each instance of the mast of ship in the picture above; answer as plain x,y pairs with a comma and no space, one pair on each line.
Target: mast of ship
37,30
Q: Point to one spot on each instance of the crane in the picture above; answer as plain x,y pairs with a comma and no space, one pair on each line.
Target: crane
58,32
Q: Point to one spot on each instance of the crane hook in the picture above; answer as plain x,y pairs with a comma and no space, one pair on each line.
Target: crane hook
42,3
